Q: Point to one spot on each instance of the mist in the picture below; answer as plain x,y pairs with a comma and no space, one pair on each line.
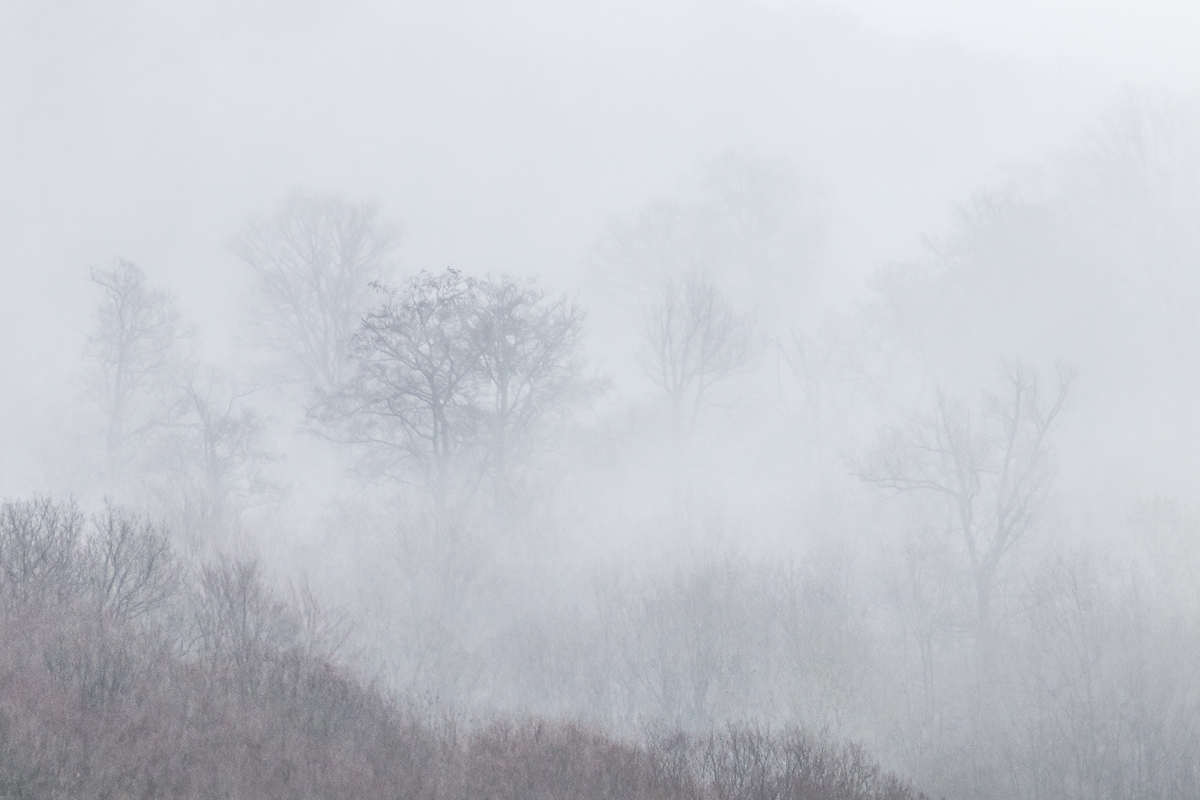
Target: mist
820,372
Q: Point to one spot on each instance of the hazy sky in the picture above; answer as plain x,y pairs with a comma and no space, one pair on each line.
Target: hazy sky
1151,40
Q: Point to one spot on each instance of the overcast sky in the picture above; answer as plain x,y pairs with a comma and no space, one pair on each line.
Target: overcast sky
1141,40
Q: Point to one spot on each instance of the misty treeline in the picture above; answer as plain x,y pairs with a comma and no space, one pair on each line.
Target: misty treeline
943,513
128,672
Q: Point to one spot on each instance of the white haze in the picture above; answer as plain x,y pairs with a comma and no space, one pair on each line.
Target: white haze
512,138
1119,39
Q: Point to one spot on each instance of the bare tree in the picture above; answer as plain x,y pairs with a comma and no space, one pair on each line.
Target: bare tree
457,377
212,462
992,470
693,339
412,398
313,263
239,623
530,353
813,363
39,543
136,346
1143,149
132,568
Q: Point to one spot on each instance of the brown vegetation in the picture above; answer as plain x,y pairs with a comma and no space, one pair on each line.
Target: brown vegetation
123,676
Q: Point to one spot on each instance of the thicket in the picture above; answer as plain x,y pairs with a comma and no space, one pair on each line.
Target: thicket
125,672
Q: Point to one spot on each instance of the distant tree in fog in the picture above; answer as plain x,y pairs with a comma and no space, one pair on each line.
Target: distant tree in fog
693,339
413,394
1144,150
755,225
743,231
531,358
455,374
1136,177
212,460
813,362
992,468
135,346
313,263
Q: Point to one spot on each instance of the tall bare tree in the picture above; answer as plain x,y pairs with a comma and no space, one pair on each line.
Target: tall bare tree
313,263
212,460
693,339
992,468
531,359
413,394
136,347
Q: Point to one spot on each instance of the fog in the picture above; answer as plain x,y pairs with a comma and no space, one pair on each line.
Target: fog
676,364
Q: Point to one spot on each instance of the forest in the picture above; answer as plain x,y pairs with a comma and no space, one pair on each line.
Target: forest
737,488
